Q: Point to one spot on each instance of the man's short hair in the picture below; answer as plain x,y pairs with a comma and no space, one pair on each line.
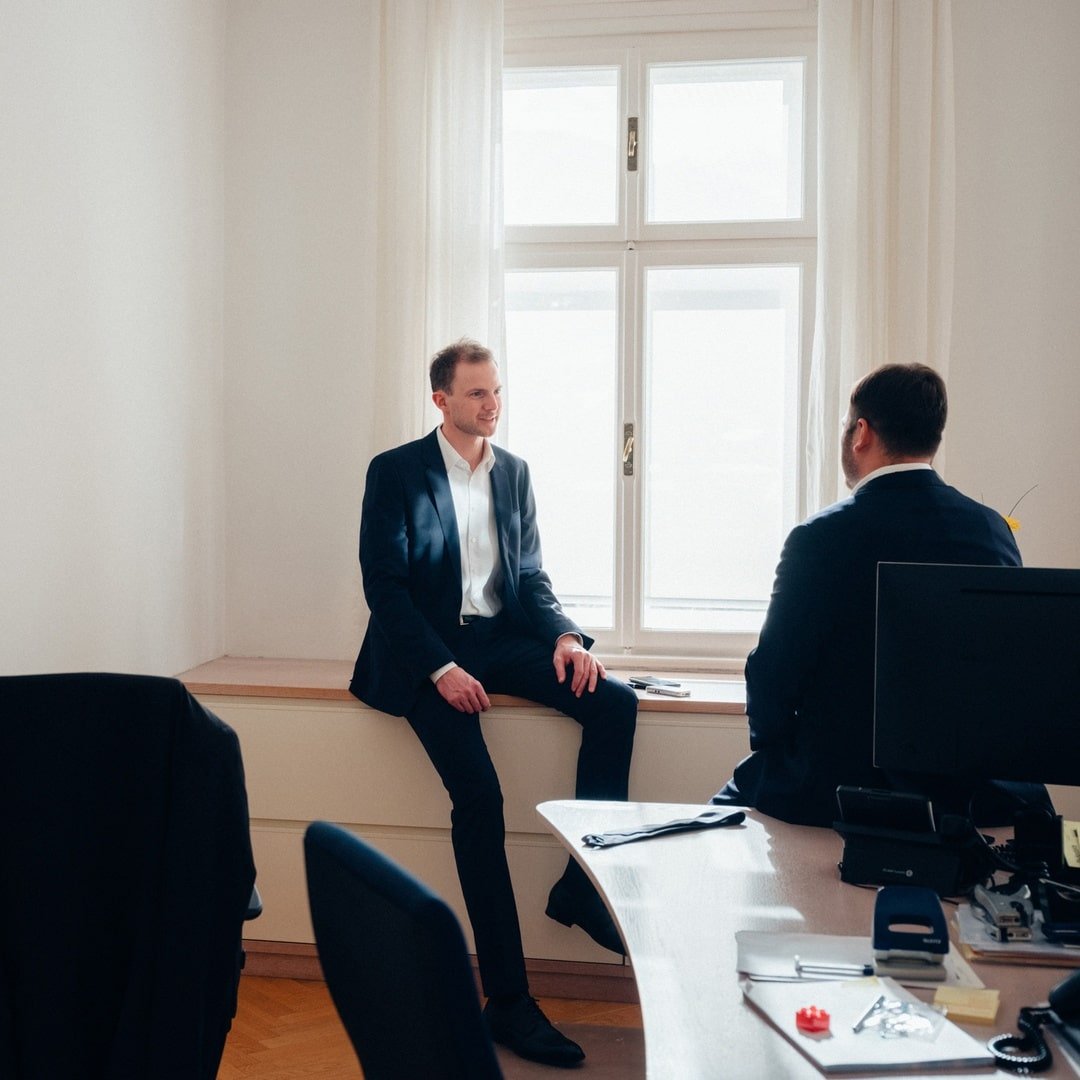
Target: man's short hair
445,361
906,405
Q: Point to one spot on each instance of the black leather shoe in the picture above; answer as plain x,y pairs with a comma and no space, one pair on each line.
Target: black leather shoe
584,908
520,1025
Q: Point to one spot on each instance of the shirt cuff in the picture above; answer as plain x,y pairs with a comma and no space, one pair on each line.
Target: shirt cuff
570,633
438,673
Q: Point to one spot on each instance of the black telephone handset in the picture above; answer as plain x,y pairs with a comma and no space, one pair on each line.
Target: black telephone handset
1065,999
1028,1051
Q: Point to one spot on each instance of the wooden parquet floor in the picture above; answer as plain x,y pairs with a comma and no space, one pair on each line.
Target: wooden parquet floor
288,1029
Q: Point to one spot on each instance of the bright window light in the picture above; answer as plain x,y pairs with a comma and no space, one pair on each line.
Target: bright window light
721,356
560,152
725,141
562,345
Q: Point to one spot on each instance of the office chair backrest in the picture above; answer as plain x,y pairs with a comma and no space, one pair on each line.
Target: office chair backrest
125,874
395,963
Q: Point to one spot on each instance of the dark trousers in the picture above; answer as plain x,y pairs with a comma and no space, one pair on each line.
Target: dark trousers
507,663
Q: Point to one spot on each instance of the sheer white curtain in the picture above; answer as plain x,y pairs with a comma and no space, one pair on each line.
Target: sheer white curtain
437,173
885,207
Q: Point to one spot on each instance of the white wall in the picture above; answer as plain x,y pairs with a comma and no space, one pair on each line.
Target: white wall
192,192
110,334
299,299
1015,372
301,138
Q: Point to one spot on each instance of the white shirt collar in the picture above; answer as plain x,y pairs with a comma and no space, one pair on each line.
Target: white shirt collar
906,466
453,460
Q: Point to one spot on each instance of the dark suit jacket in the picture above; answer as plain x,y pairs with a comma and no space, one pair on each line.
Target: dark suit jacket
810,681
410,556
125,873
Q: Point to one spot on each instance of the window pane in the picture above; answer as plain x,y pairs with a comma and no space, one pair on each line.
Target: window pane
725,141
721,363
560,158
561,378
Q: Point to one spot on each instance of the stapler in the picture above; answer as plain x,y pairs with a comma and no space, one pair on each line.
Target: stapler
1008,912
910,937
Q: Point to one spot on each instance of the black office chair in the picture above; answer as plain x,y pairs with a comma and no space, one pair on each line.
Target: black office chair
394,960
125,876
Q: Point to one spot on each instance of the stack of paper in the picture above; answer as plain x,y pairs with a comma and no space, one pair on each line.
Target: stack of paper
979,945
842,1049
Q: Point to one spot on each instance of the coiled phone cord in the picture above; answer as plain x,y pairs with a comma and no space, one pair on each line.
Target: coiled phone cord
1025,1053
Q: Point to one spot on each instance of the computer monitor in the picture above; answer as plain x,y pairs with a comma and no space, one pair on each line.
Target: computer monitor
977,672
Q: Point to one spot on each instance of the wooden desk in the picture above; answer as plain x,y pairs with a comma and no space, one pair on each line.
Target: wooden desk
678,901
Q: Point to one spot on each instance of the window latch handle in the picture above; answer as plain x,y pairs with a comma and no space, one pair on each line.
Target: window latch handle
631,144
628,450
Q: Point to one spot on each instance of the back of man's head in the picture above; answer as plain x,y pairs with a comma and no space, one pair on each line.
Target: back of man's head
906,406
445,361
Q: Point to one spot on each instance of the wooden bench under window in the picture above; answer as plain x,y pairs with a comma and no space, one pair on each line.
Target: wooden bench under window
312,751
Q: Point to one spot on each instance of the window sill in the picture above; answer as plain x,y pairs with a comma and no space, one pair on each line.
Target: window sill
328,680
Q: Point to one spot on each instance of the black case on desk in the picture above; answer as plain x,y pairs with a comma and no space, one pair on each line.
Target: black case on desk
877,856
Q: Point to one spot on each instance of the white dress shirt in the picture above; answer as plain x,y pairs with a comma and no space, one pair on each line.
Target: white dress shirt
474,509
906,466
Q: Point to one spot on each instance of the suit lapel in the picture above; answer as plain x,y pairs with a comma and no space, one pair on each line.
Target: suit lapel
500,496
439,489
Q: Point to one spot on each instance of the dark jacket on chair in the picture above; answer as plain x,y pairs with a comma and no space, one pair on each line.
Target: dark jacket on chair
125,873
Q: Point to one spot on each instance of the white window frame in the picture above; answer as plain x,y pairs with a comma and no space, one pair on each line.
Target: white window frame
630,247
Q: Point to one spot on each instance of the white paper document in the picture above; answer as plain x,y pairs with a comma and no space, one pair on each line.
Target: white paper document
841,1049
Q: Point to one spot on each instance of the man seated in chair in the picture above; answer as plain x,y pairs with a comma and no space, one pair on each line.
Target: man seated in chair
810,681
461,608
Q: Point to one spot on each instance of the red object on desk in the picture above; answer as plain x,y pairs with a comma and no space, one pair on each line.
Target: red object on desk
812,1019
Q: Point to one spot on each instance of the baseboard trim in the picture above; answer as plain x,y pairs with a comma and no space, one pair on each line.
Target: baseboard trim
547,978
581,981
282,960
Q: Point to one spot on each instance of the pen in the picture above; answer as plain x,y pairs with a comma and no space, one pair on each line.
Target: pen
858,1025
825,968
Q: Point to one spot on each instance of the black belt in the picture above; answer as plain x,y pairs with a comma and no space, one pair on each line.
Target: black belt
491,620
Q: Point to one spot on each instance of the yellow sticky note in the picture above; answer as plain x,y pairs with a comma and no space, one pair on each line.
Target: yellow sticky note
1070,843
962,1003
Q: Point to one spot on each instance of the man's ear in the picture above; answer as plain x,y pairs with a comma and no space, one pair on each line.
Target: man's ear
863,435
439,397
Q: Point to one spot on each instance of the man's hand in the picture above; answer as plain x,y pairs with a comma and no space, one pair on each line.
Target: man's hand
461,690
587,669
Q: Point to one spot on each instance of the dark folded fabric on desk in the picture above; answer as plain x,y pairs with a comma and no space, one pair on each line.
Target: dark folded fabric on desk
711,819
